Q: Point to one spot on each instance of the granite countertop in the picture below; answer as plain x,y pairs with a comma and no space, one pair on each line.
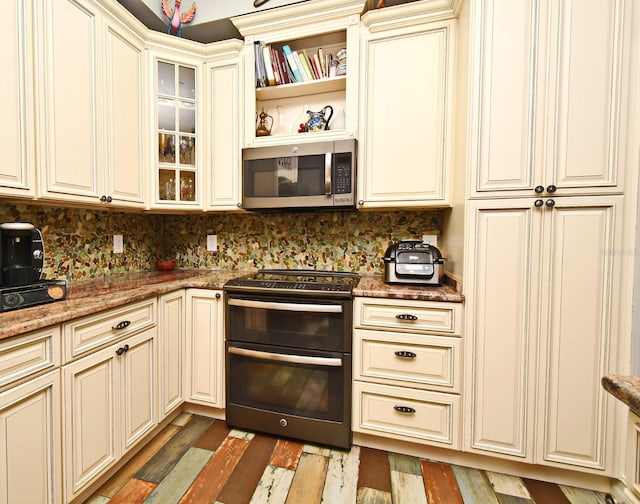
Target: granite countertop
91,296
374,286
625,388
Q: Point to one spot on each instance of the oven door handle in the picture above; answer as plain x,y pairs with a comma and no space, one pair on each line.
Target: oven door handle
273,305
292,359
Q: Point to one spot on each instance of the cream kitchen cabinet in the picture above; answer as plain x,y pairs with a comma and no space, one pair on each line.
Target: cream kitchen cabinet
109,384
541,294
177,153
171,352
633,458
17,136
407,370
223,131
205,347
550,87
406,107
30,423
91,107
331,25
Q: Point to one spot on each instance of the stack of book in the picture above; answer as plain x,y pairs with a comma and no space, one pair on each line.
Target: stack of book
277,66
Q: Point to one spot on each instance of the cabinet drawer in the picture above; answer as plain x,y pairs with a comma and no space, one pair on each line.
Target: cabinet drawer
417,360
94,331
28,354
428,416
407,315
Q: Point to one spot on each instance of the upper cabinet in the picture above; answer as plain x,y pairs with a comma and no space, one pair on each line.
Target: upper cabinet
223,130
176,153
91,88
17,170
407,79
320,38
549,84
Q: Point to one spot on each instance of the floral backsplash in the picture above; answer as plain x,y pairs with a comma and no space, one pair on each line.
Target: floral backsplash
79,242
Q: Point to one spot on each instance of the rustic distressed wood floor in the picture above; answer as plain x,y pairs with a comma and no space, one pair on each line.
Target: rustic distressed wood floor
200,460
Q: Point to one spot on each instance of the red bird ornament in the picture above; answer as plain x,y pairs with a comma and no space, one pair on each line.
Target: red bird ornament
175,19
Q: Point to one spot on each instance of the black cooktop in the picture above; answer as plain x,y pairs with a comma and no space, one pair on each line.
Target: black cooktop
303,281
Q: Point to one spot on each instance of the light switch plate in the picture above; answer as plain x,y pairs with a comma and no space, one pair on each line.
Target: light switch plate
118,244
212,243
430,239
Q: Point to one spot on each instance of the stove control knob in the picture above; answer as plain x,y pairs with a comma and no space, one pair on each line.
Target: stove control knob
283,422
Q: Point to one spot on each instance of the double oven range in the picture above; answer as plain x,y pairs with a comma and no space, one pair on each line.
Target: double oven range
288,354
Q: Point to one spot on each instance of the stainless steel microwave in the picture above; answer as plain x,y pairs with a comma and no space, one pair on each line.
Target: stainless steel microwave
306,175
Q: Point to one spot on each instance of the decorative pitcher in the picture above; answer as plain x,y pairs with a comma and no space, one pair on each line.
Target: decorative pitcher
263,129
319,121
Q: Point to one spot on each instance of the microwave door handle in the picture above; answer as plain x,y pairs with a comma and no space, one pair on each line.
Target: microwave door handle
327,173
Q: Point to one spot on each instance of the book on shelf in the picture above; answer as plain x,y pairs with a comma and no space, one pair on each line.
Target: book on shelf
292,63
303,71
266,56
309,66
261,74
305,66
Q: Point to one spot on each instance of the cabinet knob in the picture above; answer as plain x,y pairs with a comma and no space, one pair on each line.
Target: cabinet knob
538,203
551,188
539,189
406,316
121,325
550,203
404,409
120,351
218,295
360,202
239,205
109,199
103,198
405,354
126,348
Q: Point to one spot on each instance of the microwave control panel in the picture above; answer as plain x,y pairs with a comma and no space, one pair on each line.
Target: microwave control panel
343,170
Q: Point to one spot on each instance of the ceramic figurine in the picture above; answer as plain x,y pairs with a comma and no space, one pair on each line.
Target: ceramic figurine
175,19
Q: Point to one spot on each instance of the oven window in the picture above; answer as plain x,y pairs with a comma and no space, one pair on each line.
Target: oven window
303,325
308,390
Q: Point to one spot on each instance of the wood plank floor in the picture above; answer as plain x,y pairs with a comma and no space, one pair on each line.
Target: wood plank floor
200,460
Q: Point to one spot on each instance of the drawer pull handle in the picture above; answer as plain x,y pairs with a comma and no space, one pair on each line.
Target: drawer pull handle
406,316
121,325
122,350
405,354
404,409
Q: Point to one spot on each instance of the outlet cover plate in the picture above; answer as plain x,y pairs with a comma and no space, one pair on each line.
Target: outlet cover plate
212,243
118,244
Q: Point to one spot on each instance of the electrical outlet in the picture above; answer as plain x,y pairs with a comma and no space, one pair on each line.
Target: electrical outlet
430,239
118,244
212,243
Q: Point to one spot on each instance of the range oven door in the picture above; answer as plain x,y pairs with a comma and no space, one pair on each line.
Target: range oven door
295,321
288,392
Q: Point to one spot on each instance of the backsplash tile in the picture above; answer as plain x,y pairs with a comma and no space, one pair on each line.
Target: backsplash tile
79,242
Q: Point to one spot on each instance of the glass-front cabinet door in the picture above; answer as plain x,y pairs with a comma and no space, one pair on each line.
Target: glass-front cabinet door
176,173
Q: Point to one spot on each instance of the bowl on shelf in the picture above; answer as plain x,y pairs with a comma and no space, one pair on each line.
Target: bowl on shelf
165,264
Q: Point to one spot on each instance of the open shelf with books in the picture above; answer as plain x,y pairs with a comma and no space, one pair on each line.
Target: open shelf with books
298,58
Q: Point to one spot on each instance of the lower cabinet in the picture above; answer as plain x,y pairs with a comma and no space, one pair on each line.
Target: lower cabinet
540,333
171,352
407,366
633,458
30,470
205,347
109,404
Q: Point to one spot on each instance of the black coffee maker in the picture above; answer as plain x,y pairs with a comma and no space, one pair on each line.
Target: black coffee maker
21,263
21,254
